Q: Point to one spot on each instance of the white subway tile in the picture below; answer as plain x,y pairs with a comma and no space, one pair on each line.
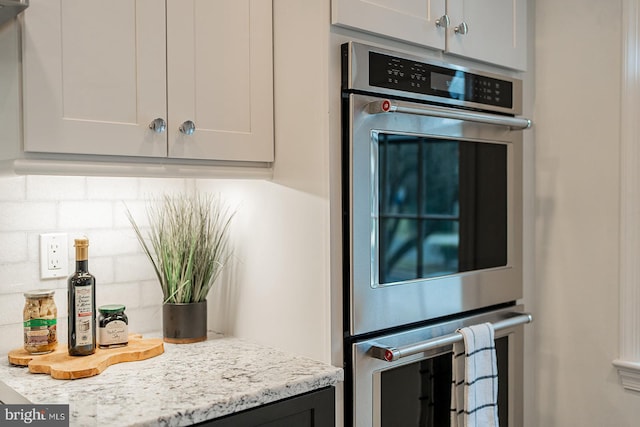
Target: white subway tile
101,268
12,337
127,294
146,320
13,247
13,188
133,268
59,286
11,306
112,188
61,299
30,206
150,293
114,242
156,187
138,210
44,187
19,277
27,216
85,215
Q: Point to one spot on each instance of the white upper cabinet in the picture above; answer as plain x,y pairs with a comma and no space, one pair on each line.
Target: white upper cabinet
420,22
492,31
220,77
98,74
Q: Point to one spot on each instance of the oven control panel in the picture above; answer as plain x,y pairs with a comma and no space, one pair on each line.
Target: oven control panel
407,75
386,73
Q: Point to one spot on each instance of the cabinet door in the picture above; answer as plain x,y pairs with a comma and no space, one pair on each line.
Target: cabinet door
94,76
220,77
413,21
496,31
313,409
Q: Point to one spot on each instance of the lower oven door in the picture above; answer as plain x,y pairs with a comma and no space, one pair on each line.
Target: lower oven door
415,389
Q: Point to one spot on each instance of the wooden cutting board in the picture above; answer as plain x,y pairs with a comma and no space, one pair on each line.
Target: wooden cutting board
64,367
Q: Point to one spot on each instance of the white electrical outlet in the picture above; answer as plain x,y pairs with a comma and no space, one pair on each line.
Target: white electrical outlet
54,256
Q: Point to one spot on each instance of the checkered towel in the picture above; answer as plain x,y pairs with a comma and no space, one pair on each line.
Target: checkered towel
474,389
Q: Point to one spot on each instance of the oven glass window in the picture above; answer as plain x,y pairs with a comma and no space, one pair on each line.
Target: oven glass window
419,394
442,206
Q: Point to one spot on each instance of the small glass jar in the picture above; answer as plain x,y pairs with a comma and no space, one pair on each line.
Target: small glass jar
113,326
40,317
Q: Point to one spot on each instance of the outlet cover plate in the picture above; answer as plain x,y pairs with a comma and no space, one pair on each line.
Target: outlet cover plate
54,256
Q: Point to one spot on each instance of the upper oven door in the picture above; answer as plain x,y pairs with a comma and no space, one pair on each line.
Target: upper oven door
434,212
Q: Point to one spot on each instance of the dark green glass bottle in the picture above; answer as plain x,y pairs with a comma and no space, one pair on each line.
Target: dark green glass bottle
82,304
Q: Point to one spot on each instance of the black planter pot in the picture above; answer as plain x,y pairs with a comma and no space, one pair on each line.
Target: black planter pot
184,323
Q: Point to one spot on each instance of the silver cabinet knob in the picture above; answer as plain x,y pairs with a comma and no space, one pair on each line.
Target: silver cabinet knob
158,125
443,21
188,127
462,29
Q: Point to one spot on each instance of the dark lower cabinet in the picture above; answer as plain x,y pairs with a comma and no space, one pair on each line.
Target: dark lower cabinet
313,409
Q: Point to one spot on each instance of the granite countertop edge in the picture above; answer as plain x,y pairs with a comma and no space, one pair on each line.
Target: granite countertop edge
244,402
187,384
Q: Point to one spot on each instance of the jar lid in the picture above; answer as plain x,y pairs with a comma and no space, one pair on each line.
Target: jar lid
39,293
111,308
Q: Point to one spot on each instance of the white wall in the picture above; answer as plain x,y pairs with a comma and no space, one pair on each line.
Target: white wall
283,277
577,137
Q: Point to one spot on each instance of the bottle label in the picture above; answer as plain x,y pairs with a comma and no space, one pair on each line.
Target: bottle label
84,316
114,332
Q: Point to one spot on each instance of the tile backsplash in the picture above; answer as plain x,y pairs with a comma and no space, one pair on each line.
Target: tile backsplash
79,206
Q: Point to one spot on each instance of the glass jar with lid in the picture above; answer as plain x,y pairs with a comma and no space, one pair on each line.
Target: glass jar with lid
113,326
40,318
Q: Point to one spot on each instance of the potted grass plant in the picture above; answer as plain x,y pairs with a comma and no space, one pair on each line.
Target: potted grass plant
188,245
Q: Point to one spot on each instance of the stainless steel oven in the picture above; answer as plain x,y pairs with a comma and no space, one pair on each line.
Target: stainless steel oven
432,216
403,378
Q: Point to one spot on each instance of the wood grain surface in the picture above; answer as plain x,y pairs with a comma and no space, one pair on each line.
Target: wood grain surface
64,367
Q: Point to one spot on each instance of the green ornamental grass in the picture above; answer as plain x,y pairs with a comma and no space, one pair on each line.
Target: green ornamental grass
188,243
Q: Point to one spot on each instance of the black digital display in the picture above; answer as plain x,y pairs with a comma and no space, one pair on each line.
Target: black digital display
411,76
447,83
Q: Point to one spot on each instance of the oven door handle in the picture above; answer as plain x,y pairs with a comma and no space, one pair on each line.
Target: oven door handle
391,354
389,106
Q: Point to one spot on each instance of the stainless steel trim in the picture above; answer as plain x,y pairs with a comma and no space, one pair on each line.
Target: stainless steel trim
391,354
390,106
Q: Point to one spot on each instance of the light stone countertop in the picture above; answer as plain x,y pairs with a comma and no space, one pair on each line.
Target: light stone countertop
187,384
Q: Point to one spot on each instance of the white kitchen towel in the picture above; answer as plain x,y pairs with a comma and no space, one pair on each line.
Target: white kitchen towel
474,388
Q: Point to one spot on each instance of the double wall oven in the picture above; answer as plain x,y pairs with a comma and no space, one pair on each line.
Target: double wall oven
432,232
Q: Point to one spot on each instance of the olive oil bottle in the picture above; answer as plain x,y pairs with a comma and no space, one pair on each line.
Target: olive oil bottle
82,304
